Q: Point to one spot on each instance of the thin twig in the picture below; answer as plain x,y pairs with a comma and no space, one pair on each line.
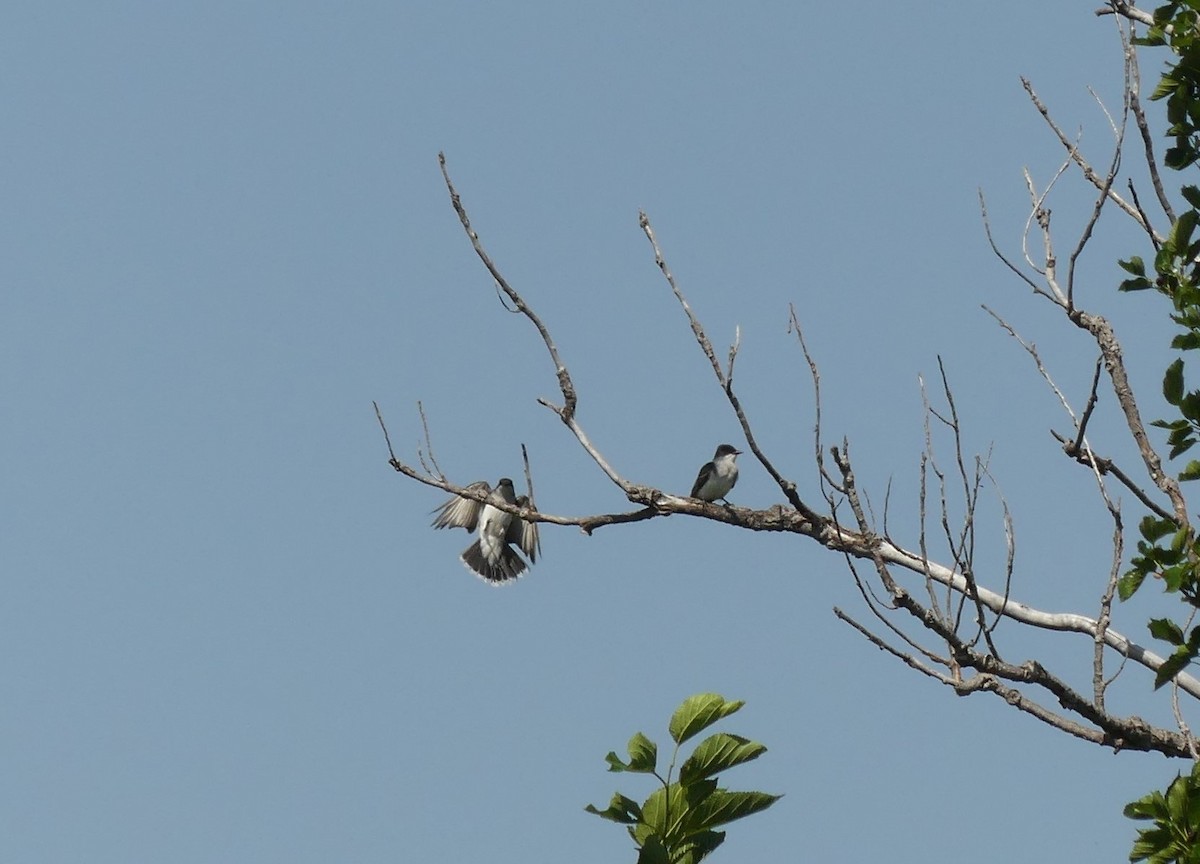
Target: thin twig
787,486
428,445
1101,198
386,437
1104,618
1134,78
1040,214
566,411
814,373
987,230
528,476
1088,172
1093,398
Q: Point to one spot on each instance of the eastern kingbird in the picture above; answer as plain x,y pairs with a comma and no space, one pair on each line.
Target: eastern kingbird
490,556
718,476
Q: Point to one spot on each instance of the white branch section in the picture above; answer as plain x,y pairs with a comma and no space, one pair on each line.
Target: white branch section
1009,608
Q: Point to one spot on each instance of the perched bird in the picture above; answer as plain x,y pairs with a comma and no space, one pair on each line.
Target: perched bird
718,476
490,556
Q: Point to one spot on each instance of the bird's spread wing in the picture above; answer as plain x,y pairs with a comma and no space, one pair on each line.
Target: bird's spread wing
461,512
525,534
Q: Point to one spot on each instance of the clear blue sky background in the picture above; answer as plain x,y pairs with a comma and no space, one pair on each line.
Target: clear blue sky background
227,633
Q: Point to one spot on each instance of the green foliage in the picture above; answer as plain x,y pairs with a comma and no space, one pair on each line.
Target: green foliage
1170,551
1167,551
1175,25
675,824
1175,836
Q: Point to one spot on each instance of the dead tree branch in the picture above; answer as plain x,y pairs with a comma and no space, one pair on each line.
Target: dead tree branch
726,381
566,411
1085,167
961,613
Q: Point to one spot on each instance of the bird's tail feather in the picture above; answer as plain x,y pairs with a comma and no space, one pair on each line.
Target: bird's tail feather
506,568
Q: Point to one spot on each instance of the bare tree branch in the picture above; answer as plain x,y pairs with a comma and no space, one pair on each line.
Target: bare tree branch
1114,362
428,444
900,655
818,450
1132,90
1017,271
1089,173
1121,7
970,661
788,487
1093,398
1104,619
1041,215
566,411
1103,196
1083,455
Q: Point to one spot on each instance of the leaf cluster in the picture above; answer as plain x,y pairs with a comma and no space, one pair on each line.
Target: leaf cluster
677,823
1175,837
1175,25
1167,550
1171,554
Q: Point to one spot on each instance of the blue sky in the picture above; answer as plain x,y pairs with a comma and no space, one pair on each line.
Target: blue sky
228,633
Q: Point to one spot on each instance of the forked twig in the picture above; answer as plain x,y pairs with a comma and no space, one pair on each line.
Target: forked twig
726,382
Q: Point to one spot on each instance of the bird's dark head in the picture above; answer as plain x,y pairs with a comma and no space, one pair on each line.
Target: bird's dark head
727,450
504,481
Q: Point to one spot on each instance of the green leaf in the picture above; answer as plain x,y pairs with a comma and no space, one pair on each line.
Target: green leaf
1176,158
1191,195
1153,528
662,810
1173,382
615,763
667,812
1151,843
1191,472
620,809
723,807
698,846
1164,264
695,794
1140,852
1166,86
699,712
1177,799
1173,425
1189,406
1180,539
1134,266
1181,231
655,809
653,852
1193,808
1180,443
1189,341
1173,665
717,753
1128,584
1167,630
1174,577
1152,806
643,754
1138,284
